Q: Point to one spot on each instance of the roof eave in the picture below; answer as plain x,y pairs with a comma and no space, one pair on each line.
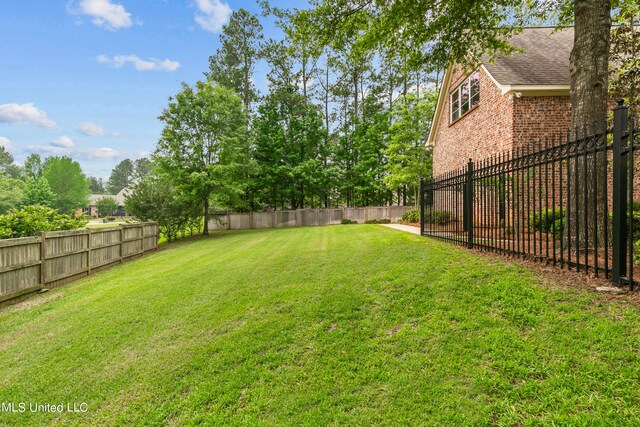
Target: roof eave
439,106
536,90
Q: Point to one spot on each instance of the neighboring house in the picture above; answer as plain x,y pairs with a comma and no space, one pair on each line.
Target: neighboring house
514,102
92,210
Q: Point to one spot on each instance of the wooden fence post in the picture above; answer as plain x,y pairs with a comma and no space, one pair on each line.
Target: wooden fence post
141,239
43,248
121,238
88,251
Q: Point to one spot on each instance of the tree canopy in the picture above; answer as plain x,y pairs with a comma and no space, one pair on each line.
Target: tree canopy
67,182
204,144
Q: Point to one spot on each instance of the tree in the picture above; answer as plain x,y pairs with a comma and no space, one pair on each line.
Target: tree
68,183
95,185
106,206
289,135
155,198
7,166
233,64
142,168
33,166
120,176
204,146
437,33
38,192
11,193
409,157
624,58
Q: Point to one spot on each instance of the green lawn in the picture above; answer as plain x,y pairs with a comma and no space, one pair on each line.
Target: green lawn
343,325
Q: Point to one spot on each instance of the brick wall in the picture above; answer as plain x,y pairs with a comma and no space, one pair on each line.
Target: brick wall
498,124
538,117
485,130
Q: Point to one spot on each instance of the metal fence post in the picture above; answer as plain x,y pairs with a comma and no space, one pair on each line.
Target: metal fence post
620,170
468,205
422,206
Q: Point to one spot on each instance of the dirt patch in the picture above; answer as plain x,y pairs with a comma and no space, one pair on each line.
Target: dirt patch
32,301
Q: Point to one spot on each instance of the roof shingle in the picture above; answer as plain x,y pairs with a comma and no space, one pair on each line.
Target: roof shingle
545,61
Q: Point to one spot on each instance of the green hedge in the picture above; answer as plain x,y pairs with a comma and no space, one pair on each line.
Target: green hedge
432,217
548,220
378,221
411,216
30,220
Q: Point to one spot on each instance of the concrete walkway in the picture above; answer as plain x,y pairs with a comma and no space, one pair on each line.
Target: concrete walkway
402,227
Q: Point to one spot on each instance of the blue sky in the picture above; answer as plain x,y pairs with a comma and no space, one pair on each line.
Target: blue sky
88,78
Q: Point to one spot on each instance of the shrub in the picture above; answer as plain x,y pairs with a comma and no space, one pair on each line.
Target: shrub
548,220
411,216
30,220
106,206
437,217
348,221
433,217
636,218
378,221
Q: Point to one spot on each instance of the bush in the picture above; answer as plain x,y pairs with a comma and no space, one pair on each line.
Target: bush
433,217
348,221
411,216
378,221
550,220
30,220
437,217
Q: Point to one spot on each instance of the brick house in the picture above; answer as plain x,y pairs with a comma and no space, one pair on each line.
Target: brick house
513,102
92,209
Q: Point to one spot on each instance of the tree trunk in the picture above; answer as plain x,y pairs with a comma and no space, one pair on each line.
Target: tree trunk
206,217
589,62
589,102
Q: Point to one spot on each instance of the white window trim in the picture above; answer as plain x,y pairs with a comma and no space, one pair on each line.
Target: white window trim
458,92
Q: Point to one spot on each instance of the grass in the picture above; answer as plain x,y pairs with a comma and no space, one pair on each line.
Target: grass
344,325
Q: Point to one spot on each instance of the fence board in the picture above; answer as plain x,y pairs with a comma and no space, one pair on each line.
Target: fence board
304,217
53,258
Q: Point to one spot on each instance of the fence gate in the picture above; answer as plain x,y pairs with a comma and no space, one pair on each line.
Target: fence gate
567,200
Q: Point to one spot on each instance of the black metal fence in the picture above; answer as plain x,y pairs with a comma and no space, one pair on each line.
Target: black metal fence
568,201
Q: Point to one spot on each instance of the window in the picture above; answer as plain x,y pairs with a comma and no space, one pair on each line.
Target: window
465,97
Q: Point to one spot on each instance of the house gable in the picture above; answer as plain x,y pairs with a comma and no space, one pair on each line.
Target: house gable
524,98
486,128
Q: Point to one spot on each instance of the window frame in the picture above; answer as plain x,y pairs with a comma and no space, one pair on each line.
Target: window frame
457,93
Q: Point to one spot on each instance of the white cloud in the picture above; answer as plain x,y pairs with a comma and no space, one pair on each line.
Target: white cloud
47,149
6,143
103,153
25,114
104,14
63,142
213,15
93,129
139,64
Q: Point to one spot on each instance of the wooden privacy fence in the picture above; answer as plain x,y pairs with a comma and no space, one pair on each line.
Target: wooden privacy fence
304,217
57,257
